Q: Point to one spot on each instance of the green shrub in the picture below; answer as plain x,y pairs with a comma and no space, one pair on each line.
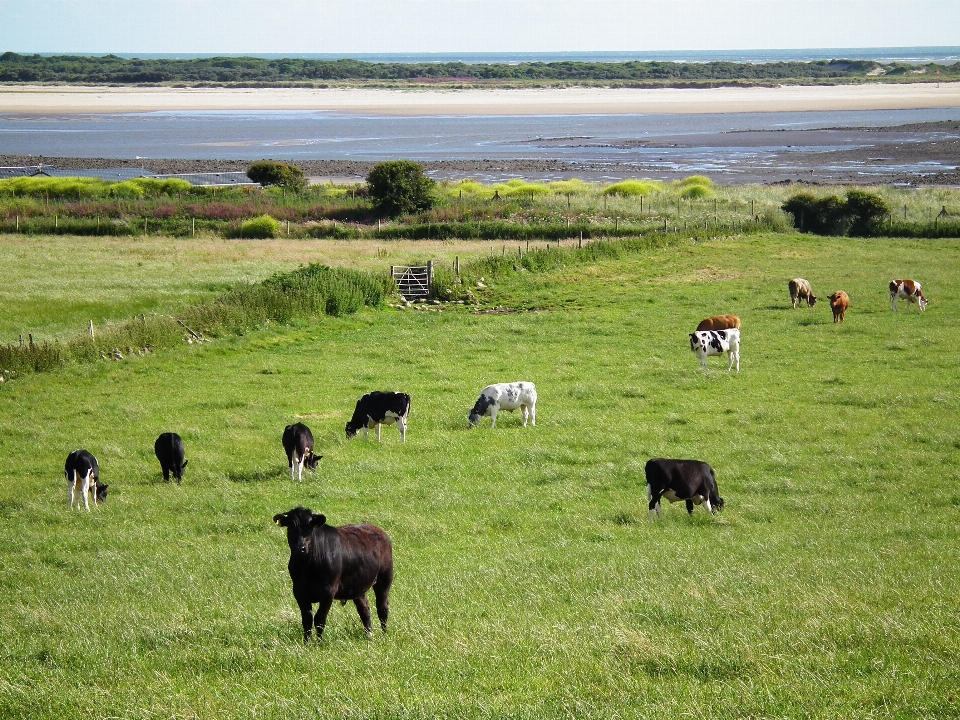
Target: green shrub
260,228
632,188
695,180
574,186
821,216
269,172
70,188
152,187
127,190
867,213
694,191
520,189
400,187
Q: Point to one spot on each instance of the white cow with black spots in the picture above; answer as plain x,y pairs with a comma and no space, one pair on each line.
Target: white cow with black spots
705,343
506,396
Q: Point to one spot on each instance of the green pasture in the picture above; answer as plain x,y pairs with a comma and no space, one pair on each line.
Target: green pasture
529,581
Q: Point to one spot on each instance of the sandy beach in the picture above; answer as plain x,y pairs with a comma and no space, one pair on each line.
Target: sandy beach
25,99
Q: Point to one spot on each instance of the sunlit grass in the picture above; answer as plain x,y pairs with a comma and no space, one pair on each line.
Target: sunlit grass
529,580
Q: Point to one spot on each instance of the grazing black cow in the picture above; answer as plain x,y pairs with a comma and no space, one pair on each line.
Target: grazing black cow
169,451
689,480
298,444
336,563
380,408
83,474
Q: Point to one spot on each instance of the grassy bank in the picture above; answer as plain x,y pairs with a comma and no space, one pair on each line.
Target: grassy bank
513,211
529,582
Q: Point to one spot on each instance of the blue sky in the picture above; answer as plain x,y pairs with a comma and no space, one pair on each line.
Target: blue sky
382,26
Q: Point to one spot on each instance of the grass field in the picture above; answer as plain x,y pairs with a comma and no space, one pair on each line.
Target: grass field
529,581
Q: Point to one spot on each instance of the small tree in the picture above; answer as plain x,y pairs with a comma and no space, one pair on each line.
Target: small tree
821,216
269,172
867,212
399,187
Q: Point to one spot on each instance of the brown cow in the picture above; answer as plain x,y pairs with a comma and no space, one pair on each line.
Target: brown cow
839,303
719,322
910,291
800,290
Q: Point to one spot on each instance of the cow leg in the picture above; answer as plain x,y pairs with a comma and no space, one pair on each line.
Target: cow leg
533,414
382,591
708,505
292,460
320,618
166,474
363,610
493,416
306,617
893,302
402,424
654,504
377,426
86,489
689,507
71,483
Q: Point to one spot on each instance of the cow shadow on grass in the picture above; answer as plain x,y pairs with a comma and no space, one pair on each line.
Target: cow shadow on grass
255,475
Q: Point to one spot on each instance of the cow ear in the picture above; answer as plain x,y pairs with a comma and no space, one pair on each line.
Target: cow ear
318,521
280,519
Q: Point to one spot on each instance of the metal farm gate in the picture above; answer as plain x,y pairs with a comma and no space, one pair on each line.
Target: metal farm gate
413,281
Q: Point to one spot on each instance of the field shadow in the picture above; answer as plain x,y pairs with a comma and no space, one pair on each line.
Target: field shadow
255,475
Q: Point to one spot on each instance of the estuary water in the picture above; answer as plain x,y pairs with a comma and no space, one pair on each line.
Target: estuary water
300,135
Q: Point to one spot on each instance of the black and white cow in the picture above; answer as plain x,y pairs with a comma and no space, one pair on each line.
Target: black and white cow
380,408
298,444
82,473
336,563
910,291
169,451
691,481
505,396
705,343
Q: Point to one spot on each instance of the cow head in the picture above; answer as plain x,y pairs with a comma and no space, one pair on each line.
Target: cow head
311,460
811,299
352,429
101,492
922,301
479,410
300,524
178,471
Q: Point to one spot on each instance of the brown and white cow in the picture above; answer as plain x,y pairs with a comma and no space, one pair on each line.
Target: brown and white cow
800,290
839,303
719,322
909,291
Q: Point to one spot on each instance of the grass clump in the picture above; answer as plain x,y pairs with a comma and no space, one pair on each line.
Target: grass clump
632,188
311,291
259,228
694,187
